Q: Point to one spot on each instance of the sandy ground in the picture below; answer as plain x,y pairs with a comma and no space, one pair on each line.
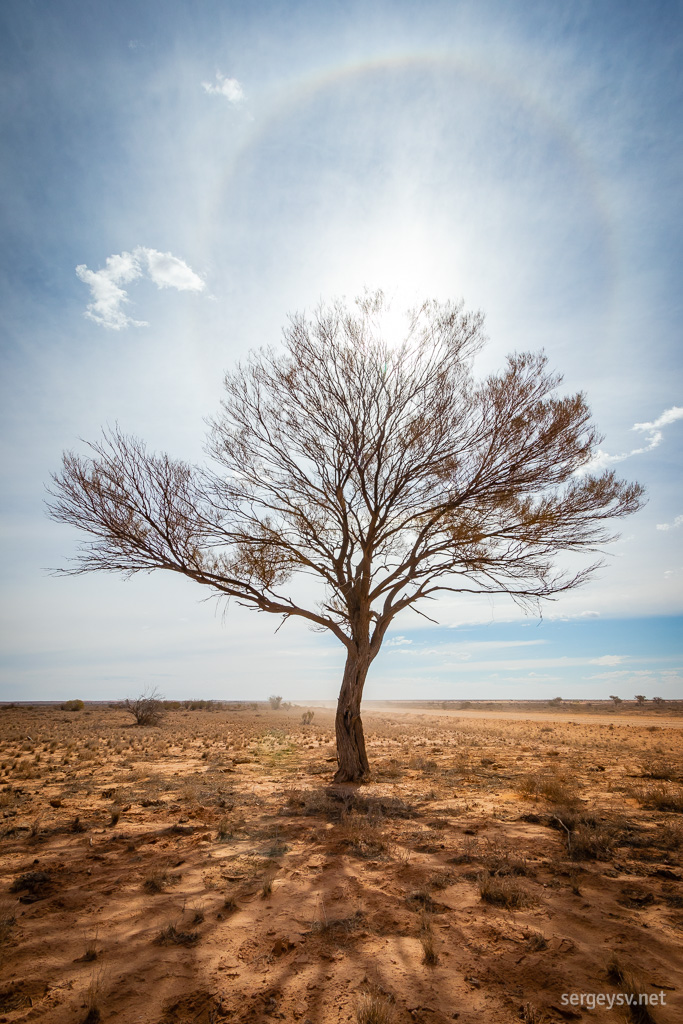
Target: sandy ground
206,869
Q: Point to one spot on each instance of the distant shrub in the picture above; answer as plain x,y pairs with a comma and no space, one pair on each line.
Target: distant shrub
203,705
72,705
307,717
275,702
148,709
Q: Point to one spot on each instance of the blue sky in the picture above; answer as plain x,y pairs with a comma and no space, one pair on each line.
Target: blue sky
178,177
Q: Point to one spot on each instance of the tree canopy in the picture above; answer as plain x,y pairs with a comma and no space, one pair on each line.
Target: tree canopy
388,473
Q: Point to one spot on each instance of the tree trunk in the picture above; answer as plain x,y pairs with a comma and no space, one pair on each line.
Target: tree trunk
352,761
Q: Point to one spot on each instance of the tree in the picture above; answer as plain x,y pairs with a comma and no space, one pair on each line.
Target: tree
641,698
389,474
275,702
617,700
147,709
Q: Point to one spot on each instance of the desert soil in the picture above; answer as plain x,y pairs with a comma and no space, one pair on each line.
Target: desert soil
207,869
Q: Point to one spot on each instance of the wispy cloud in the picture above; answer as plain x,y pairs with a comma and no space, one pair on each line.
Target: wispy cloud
228,87
654,436
464,650
108,295
678,521
571,617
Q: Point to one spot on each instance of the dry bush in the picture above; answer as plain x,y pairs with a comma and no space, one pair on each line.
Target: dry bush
147,709
157,881
497,863
503,891
657,768
72,705
362,838
591,841
535,941
549,787
172,936
660,797
441,880
587,837
469,851
338,927
14,997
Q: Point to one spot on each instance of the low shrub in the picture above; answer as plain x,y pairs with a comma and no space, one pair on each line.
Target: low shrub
72,705
504,891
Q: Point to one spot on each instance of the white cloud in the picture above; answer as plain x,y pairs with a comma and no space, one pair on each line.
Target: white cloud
398,641
667,417
678,521
572,617
168,271
228,87
608,659
654,438
109,298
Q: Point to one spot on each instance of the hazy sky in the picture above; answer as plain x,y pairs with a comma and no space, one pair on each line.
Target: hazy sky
179,176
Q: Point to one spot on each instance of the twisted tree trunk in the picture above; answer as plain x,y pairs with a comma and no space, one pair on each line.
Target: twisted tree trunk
352,761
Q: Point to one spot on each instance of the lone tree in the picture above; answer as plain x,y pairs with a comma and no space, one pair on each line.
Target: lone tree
147,709
388,473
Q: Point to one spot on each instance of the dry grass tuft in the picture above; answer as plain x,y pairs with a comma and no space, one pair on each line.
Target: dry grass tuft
172,936
157,881
374,1008
536,941
632,988
93,998
430,955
